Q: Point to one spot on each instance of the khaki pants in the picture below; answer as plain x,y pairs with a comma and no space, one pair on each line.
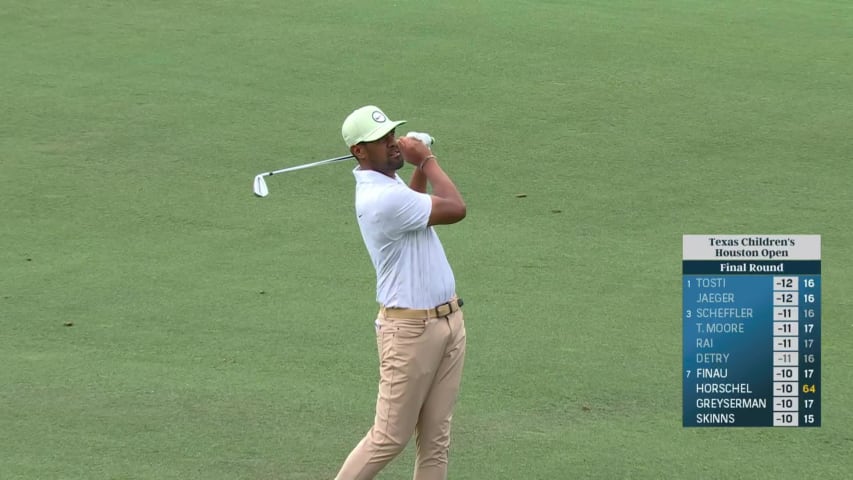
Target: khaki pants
420,367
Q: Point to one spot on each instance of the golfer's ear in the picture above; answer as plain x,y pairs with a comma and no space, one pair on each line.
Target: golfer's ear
356,150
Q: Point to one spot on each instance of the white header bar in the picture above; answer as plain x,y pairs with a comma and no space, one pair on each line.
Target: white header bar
751,247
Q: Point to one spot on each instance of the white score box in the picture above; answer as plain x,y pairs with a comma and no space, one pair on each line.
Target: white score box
786,313
786,373
785,283
786,389
786,419
785,344
785,299
785,328
786,404
784,359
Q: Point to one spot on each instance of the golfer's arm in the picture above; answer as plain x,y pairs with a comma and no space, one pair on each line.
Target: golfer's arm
447,204
418,182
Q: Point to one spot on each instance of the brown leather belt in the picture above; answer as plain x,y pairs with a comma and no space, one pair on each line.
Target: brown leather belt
442,310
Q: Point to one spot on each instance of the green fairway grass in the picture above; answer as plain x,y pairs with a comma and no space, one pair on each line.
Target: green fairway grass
157,321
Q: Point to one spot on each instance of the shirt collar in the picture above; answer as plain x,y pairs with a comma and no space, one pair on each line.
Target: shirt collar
371,176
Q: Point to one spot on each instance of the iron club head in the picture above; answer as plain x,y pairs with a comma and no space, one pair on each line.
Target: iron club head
260,186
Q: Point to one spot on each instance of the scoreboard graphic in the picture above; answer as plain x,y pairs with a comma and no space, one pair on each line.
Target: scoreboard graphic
751,330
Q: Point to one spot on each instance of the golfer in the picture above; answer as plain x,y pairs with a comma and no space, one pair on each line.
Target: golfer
420,333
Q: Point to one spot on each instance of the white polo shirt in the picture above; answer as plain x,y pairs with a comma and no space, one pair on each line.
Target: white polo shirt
412,270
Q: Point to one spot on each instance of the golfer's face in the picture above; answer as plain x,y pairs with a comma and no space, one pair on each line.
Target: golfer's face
384,154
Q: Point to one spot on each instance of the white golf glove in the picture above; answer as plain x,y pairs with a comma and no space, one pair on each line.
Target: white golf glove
425,138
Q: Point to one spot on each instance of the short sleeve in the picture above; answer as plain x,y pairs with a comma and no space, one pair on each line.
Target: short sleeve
402,210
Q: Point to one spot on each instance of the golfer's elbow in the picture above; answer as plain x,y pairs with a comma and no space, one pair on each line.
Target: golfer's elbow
447,211
461,211
457,211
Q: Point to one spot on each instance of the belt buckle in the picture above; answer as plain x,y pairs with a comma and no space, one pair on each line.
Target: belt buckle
449,306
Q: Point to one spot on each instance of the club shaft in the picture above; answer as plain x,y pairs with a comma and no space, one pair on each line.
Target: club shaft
308,165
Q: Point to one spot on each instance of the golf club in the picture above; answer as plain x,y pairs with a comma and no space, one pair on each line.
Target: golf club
260,185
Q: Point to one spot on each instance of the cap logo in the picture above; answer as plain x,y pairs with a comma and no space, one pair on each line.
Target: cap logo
378,116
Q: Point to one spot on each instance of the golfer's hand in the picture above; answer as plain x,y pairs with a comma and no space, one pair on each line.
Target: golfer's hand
414,151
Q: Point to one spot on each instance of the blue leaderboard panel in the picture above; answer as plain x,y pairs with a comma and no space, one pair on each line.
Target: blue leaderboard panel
751,329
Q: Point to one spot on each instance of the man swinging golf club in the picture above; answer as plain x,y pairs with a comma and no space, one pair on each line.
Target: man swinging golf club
420,333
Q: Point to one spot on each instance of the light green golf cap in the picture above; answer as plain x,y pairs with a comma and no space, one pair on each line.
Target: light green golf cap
367,124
